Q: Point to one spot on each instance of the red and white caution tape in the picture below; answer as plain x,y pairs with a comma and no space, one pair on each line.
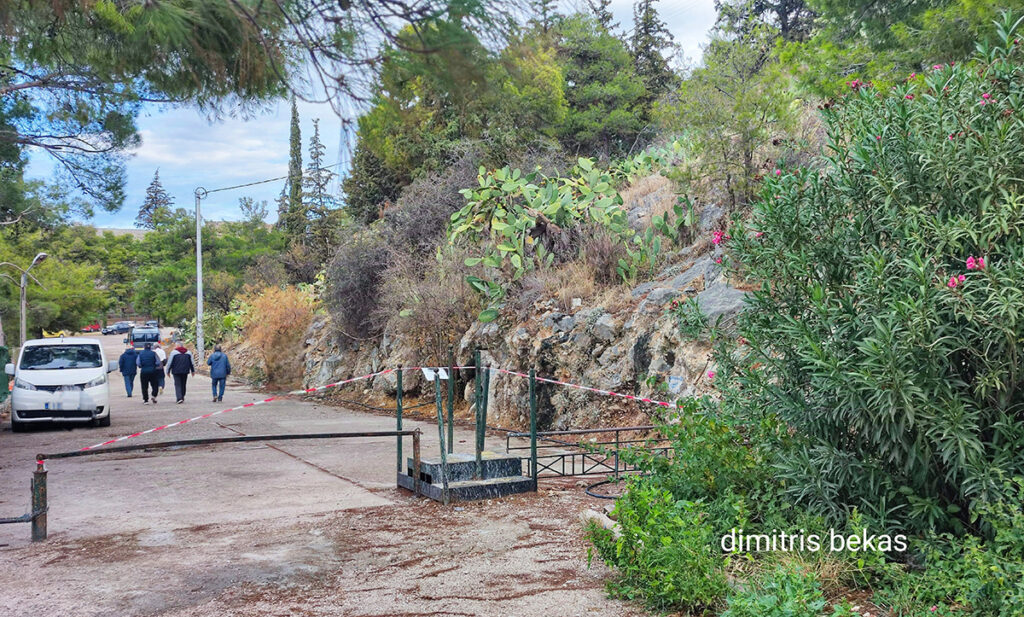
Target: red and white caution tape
567,384
246,406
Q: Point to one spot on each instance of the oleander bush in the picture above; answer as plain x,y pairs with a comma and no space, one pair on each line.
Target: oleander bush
887,329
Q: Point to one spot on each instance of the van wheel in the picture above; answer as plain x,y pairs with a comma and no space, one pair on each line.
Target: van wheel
103,421
18,426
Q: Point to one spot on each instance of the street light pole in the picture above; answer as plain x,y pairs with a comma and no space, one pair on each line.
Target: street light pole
200,193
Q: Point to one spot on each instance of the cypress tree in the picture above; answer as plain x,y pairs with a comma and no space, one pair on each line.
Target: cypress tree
295,217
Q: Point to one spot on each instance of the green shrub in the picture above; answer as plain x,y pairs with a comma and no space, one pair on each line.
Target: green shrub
875,333
785,591
667,554
354,279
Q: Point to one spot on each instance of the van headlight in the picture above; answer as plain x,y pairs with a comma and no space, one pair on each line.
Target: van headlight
24,385
99,381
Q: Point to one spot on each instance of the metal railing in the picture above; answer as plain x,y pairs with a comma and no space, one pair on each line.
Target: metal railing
587,457
39,497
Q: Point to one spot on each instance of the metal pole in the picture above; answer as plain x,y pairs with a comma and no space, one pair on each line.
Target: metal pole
39,503
451,399
440,436
482,427
24,284
200,348
477,404
398,416
416,461
533,426
616,456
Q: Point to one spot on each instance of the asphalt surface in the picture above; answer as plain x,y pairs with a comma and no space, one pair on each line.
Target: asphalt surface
235,529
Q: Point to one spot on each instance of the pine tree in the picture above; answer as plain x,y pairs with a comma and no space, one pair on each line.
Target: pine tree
295,216
546,14
650,38
603,12
156,204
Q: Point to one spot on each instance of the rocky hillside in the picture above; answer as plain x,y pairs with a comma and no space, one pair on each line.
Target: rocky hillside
624,341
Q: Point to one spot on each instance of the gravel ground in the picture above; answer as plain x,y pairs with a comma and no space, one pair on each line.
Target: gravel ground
310,528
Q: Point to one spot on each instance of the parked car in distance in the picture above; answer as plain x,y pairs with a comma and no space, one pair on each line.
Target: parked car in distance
120,327
152,323
60,380
138,337
93,327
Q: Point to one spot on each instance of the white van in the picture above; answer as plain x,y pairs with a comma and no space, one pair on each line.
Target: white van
60,380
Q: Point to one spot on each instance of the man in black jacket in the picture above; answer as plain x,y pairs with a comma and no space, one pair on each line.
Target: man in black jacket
149,372
180,366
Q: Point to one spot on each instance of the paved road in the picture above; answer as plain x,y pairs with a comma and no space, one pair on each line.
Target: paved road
311,528
118,493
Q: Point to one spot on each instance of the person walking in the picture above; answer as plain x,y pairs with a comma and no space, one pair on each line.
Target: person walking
180,365
220,368
160,353
149,372
128,366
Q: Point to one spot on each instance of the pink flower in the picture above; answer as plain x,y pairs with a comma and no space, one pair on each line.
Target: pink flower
909,97
718,260
758,234
878,137
913,75
961,278
711,374
951,137
971,263
986,96
937,66
778,172
933,608
717,236
952,282
981,263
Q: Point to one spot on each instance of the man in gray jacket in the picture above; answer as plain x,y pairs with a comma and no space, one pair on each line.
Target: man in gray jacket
220,368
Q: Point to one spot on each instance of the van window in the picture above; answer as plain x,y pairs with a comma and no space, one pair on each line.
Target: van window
51,357
146,336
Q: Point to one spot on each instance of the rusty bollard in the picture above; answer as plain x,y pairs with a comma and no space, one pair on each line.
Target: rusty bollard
39,502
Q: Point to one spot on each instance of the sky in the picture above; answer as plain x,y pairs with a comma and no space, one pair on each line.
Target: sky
190,150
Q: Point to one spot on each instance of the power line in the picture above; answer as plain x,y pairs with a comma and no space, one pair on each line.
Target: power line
205,192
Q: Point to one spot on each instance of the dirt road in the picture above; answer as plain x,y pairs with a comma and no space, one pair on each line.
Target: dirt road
296,528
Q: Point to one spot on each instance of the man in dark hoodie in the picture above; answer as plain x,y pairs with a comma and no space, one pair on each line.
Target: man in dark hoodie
128,366
180,365
149,373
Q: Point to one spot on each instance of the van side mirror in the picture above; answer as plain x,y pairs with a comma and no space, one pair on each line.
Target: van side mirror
9,369
112,366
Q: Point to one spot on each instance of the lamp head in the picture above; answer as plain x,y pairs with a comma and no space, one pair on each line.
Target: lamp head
41,257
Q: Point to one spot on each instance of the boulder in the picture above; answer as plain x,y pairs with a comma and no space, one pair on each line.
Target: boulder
605,328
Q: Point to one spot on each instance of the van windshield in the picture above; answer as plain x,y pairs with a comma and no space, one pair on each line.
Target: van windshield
146,336
55,357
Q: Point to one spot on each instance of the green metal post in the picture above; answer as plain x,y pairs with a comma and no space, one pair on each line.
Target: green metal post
451,400
533,427
440,436
477,404
39,507
481,436
398,416
5,356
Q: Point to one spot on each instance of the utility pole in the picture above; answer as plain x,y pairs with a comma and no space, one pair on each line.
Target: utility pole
200,193
41,257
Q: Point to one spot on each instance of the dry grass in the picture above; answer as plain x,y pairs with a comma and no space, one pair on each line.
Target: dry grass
654,185
563,284
275,323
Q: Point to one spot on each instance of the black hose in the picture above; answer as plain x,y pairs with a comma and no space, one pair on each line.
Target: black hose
597,484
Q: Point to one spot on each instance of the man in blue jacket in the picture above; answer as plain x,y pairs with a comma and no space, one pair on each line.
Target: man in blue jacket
220,368
149,372
128,366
